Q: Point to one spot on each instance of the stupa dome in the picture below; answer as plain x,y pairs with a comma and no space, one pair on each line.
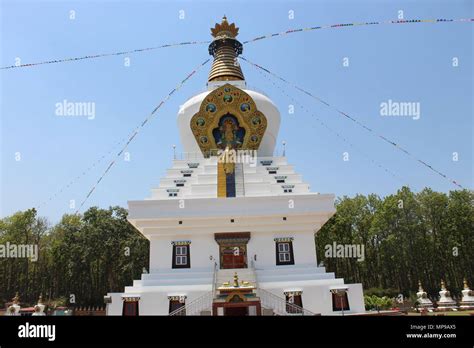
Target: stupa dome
255,120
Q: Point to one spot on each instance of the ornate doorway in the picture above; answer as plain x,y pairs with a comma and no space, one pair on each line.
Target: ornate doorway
232,249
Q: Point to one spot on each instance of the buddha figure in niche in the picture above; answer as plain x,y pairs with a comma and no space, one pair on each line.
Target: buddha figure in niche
229,134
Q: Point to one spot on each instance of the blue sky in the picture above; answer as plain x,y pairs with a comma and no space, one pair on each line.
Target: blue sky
409,63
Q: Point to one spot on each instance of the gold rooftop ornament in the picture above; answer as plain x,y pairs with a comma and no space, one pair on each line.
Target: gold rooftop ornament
16,299
225,49
236,280
224,29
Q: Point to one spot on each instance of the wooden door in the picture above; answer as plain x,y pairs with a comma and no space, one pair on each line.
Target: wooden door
236,311
234,256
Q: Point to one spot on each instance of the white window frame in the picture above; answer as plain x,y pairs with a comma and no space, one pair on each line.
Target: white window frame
181,256
284,254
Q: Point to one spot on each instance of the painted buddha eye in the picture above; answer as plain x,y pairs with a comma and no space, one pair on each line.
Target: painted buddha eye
228,98
227,89
254,138
203,140
211,107
244,107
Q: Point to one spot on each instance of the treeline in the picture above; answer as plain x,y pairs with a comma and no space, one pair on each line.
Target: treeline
407,237
427,236
80,259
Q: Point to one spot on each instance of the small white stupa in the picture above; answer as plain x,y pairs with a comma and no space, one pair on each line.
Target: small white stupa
446,302
14,309
39,307
467,301
423,302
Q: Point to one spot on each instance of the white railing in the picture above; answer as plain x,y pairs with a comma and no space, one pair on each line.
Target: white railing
195,307
200,304
279,305
268,300
214,280
190,156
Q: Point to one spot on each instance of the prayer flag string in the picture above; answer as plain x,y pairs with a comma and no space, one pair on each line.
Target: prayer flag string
374,162
81,175
357,24
258,38
139,128
100,55
347,116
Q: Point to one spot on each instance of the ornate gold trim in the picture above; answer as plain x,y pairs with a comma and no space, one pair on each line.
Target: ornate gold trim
225,29
283,240
181,242
224,100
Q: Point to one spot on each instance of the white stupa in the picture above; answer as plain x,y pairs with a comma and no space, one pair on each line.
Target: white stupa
423,302
39,307
14,308
446,302
232,226
467,301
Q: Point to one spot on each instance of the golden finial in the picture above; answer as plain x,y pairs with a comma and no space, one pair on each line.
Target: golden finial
465,284
16,299
443,287
236,280
40,299
420,288
224,29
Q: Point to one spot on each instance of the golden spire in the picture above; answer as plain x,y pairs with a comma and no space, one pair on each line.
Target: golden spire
225,29
236,280
443,286
225,49
16,299
465,284
420,288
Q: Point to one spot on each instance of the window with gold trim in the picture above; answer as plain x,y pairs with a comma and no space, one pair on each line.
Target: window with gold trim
181,255
284,251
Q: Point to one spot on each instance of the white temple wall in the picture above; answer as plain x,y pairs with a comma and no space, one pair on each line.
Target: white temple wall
202,247
317,297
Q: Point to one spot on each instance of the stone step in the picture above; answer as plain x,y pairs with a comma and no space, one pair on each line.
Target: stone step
239,180
294,277
173,281
165,275
291,269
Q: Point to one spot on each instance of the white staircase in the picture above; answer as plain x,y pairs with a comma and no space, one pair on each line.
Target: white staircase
271,303
239,180
278,305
